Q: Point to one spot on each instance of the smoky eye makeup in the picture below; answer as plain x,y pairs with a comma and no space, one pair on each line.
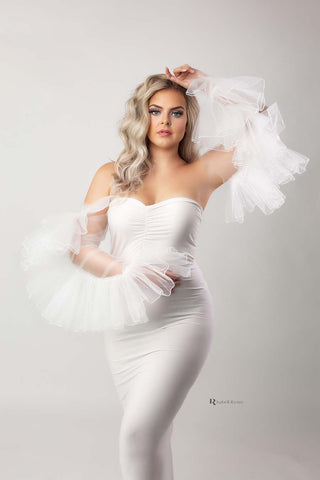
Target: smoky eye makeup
178,112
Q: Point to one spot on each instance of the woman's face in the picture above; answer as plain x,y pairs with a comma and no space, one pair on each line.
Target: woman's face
167,111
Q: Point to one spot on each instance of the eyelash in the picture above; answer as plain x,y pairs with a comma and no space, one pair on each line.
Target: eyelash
180,112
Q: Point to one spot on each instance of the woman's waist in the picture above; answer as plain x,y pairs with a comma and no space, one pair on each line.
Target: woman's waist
146,250
178,260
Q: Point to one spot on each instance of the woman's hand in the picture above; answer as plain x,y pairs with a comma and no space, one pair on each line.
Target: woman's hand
184,75
173,277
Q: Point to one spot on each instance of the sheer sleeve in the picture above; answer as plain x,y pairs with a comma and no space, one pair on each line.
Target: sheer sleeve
88,255
233,116
77,234
77,285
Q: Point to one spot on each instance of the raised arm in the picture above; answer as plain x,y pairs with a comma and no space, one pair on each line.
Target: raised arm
227,106
216,167
239,143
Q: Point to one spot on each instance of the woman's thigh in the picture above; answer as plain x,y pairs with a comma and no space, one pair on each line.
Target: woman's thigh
153,372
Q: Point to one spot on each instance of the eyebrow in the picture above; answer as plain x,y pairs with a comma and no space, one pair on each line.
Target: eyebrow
173,108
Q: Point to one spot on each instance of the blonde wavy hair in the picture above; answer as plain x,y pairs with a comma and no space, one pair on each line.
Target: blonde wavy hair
134,162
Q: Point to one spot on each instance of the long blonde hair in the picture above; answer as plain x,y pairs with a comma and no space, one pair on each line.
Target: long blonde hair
133,162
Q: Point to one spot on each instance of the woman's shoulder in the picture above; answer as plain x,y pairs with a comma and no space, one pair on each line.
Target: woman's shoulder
106,170
100,185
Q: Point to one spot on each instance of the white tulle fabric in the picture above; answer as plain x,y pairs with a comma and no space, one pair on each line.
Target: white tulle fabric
229,117
79,295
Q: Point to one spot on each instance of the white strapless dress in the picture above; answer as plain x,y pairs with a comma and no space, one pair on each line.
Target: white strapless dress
157,341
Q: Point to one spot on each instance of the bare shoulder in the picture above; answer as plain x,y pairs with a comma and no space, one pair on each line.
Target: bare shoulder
101,183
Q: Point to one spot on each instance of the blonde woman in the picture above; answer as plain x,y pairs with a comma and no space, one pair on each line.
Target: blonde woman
185,134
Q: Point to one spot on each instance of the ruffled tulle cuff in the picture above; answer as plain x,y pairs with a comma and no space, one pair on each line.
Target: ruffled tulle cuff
230,117
77,300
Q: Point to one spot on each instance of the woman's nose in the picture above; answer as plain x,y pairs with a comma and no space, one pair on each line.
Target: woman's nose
165,119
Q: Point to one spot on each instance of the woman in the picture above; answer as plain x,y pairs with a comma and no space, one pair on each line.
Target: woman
185,135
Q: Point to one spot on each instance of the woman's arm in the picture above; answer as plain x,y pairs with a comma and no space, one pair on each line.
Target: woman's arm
216,164
89,257
239,143
228,108
216,167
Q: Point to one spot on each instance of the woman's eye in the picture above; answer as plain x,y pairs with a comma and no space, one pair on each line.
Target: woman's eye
157,111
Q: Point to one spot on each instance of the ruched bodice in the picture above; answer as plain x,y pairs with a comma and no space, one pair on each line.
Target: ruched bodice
135,227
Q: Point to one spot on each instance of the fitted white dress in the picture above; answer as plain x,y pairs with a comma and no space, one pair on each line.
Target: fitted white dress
156,342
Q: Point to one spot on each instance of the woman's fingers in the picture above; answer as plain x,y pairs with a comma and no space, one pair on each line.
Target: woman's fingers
183,70
171,273
183,75
171,77
176,282
174,277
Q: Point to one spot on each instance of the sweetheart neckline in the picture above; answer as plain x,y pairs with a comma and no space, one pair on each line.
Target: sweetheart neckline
165,201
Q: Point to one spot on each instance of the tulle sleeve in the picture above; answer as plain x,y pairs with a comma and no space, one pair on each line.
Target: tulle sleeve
233,115
77,285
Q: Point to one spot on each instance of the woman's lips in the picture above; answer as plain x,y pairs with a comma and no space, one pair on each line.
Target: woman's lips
164,134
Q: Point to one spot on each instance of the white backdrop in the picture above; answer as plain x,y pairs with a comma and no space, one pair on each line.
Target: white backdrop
67,69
